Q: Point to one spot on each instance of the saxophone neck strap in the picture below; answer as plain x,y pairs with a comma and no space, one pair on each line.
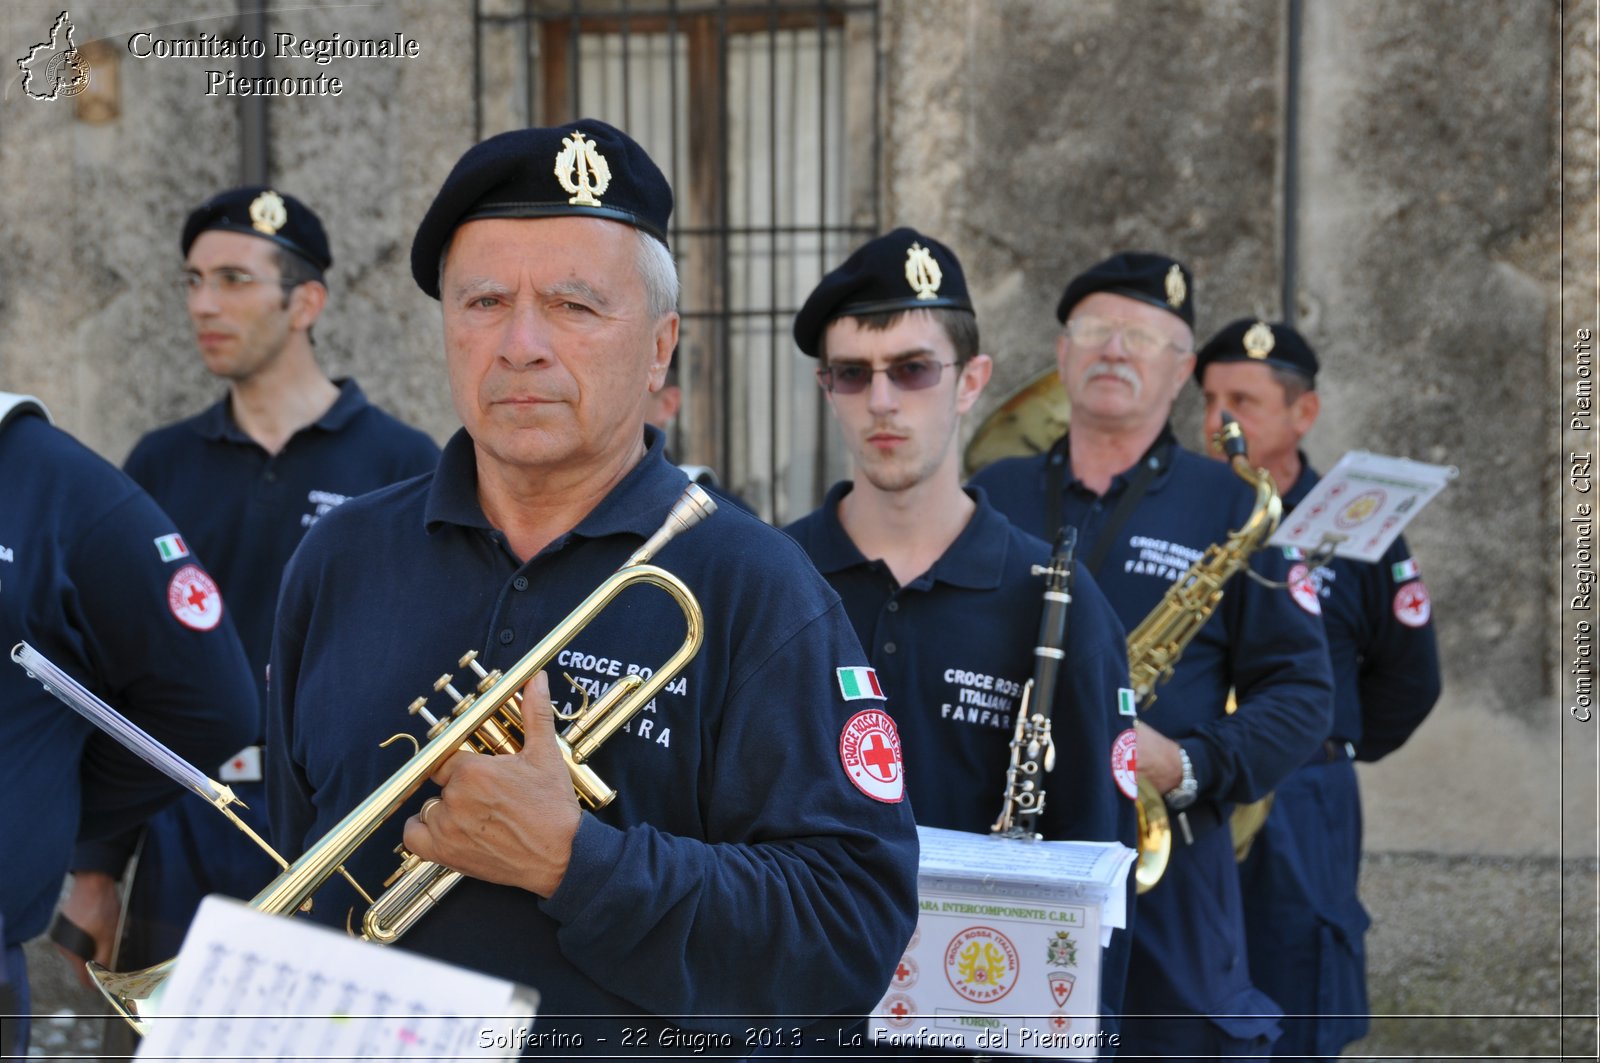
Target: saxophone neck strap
1153,463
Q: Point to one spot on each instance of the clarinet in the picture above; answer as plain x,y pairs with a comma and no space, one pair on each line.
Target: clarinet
1033,751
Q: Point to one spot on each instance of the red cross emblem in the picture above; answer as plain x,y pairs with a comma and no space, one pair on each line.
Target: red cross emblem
880,758
193,598
869,749
1412,606
898,1010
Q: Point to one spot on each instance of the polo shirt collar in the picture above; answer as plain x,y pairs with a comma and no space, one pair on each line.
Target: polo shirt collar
1302,484
634,506
1164,445
216,422
976,559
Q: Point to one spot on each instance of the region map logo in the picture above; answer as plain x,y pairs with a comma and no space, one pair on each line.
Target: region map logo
55,68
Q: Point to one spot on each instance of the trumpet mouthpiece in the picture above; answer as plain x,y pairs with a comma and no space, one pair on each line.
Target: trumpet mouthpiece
692,507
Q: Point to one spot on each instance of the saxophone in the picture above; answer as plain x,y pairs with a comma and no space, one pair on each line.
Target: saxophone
1156,644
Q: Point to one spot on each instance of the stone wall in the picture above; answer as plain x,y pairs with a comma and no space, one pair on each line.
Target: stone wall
93,211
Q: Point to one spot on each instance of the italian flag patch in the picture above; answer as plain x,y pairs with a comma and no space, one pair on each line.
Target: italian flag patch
858,683
1404,570
1126,706
171,547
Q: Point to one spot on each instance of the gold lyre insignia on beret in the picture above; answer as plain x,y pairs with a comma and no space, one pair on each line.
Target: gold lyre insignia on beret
922,272
579,159
1258,341
268,212
1177,291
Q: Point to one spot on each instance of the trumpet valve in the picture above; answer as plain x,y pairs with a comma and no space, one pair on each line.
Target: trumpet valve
444,685
420,708
408,860
488,679
496,739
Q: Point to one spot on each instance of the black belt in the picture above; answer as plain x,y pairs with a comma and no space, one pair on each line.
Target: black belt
1333,751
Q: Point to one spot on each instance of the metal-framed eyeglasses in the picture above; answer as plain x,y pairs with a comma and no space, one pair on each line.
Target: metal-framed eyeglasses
1091,332
913,374
225,281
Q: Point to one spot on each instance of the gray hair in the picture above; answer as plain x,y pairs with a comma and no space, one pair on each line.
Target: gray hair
656,266
659,271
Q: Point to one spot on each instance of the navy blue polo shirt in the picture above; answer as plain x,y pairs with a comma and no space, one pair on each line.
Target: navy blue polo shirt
1304,916
1381,640
954,648
1259,642
1189,950
743,869
86,580
247,510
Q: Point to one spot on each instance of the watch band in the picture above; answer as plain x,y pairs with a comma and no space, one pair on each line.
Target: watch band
1183,795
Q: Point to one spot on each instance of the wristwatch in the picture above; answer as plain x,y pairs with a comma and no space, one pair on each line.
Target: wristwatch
1182,795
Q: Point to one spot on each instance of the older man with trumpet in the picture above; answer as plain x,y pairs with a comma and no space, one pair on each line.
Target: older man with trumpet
758,858
1146,510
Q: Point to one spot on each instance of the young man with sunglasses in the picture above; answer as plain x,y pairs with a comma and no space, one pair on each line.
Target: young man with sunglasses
1146,510
243,480
938,585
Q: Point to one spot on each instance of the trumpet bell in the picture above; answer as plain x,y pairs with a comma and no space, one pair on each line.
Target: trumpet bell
1155,836
135,995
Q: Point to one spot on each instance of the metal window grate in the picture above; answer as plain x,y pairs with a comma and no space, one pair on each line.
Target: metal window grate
764,116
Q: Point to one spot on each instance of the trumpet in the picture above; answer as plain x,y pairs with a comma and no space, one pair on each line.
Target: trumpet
486,720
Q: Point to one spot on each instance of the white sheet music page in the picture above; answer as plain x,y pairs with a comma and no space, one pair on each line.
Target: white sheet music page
255,986
1361,505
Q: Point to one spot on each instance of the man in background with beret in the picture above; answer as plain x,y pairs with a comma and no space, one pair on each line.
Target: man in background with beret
1303,917
244,480
1146,510
942,590
759,858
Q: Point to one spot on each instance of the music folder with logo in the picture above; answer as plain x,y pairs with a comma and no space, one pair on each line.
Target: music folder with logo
1006,954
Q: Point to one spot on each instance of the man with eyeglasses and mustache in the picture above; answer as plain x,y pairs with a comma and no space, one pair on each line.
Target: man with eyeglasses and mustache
938,585
243,480
1145,510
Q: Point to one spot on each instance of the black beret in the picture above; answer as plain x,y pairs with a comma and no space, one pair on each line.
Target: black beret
261,211
902,270
1251,340
1154,279
585,167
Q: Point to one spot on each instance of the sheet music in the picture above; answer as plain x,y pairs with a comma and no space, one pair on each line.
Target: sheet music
261,987
1361,505
1094,866
1095,871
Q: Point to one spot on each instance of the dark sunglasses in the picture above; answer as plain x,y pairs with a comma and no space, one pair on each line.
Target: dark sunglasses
914,374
